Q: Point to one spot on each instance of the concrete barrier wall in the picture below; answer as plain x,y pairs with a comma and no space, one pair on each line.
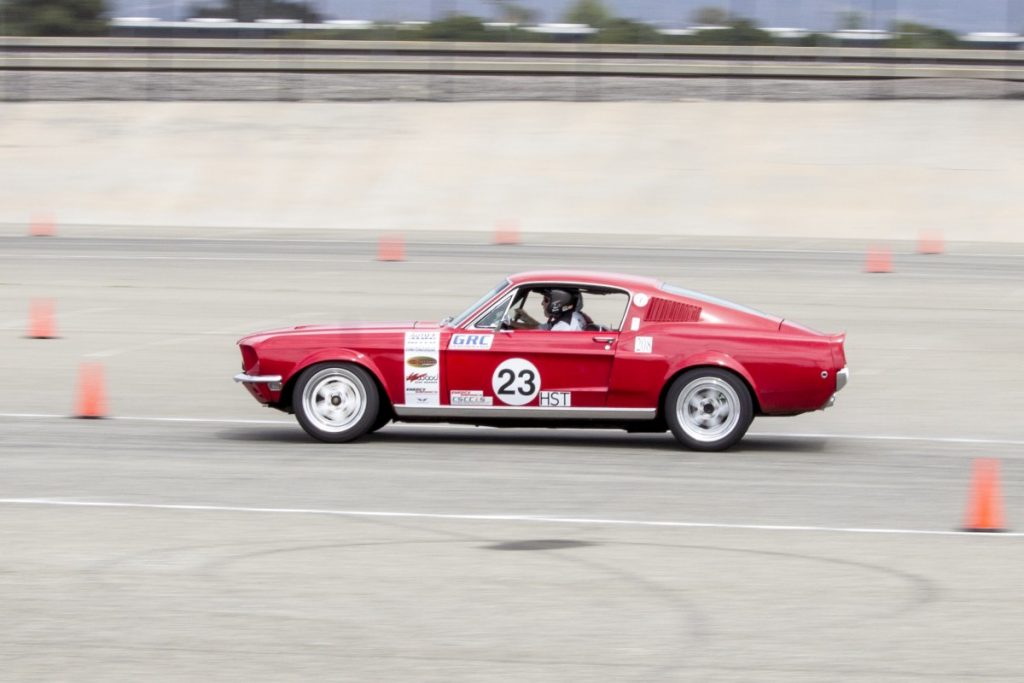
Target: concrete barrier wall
729,169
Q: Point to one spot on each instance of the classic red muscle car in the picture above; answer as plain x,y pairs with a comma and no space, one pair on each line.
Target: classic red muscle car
632,353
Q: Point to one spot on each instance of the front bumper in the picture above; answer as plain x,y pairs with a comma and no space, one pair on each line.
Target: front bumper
258,379
264,388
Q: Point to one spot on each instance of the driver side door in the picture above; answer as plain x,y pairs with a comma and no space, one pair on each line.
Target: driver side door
526,369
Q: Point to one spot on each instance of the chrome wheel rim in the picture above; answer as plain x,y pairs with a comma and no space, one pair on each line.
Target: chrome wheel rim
708,409
334,400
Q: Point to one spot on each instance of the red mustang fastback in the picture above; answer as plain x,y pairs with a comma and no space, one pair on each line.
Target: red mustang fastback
561,348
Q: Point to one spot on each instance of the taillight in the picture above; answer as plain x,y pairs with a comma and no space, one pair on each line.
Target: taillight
249,357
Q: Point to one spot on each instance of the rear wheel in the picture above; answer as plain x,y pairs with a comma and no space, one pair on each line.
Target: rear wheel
336,402
708,409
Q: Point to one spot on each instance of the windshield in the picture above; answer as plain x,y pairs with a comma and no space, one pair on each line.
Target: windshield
461,318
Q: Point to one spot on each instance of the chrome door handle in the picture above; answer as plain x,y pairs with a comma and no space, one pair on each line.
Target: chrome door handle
604,340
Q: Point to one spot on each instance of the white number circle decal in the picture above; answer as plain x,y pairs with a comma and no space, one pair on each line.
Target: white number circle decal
516,382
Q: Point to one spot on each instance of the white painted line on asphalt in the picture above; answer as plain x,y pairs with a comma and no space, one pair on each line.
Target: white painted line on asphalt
368,259
856,252
202,420
776,435
884,437
141,257
199,420
43,416
530,519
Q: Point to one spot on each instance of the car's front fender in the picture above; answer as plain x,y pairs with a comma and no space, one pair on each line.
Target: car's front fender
332,355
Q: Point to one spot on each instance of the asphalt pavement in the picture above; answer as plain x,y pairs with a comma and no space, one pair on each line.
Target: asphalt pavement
194,535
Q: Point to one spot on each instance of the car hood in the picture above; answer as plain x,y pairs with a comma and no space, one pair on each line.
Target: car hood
337,328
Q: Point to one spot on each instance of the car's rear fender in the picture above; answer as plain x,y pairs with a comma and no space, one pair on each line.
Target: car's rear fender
722,361
332,356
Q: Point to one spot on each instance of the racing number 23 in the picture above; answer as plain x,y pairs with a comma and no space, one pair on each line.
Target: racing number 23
527,385
516,382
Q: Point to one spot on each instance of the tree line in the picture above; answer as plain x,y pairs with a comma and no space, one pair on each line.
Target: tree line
713,25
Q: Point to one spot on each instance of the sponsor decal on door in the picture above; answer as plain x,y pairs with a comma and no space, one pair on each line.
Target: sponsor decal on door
422,371
469,398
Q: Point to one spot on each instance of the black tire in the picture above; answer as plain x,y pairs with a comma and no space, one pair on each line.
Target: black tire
708,409
384,417
336,402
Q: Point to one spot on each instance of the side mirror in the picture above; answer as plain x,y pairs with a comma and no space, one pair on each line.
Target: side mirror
447,321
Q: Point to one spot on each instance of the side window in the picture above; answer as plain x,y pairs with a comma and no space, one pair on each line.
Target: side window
492,317
604,308
534,306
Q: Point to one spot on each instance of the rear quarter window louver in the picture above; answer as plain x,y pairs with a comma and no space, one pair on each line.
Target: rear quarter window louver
666,311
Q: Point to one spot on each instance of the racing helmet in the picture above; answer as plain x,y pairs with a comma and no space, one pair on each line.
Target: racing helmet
559,301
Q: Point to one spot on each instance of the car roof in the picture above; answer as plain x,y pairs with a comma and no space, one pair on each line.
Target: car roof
590,277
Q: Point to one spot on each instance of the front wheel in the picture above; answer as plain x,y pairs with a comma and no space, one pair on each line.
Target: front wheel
336,402
708,409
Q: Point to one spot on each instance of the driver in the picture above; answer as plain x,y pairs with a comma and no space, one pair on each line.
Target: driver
560,308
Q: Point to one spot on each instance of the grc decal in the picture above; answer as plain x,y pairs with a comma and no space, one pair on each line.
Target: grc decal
471,342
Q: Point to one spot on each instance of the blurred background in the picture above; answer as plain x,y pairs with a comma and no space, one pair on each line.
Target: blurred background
175,175
829,119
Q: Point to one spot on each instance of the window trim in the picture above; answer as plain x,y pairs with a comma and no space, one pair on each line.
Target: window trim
472,320
487,310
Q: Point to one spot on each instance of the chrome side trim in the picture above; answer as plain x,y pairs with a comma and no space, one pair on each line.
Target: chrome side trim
533,413
842,377
257,379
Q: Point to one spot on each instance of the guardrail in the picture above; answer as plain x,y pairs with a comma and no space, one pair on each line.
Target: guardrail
402,57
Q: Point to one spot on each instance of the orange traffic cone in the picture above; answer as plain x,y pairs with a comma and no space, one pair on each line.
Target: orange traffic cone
42,226
985,508
391,249
40,320
91,400
879,260
930,242
506,233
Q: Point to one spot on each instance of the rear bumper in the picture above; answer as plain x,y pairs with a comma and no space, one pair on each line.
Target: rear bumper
842,379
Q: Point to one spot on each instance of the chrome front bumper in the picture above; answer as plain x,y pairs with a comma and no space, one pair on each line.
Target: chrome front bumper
258,379
273,382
